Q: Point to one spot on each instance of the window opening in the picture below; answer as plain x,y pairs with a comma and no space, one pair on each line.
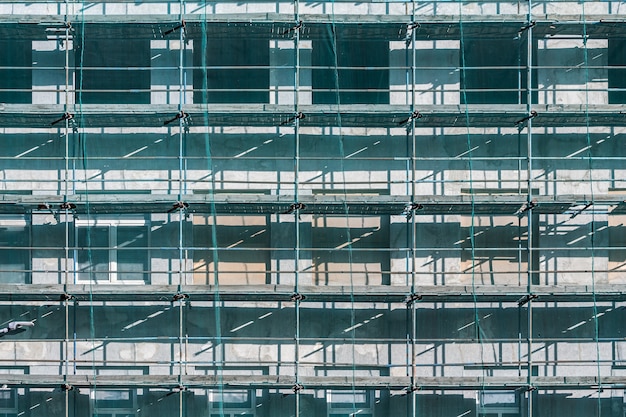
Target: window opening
109,250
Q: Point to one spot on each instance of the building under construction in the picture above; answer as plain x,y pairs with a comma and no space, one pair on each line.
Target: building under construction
319,209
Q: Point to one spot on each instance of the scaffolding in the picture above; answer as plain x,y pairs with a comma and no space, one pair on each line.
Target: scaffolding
410,208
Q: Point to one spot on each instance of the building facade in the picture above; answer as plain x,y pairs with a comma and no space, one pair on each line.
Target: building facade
291,208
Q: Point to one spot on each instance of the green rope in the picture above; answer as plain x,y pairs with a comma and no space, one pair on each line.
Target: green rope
218,346
593,220
79,117
478,331
333,37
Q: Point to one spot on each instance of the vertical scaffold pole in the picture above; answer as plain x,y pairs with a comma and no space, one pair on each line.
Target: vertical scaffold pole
413,216
530,263
296,98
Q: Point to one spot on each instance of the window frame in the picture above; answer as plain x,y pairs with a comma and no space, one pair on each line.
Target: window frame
232,411
113,224
365,409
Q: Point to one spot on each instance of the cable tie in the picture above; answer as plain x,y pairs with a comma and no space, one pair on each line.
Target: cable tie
411,298
66,116
180,115
526,299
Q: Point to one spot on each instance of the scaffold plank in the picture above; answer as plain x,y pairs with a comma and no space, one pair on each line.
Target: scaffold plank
176,382
333,205
350,115
312,294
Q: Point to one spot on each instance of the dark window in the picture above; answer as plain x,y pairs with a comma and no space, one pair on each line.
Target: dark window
15,71
617,76
237,70
111,71
360,71
498,68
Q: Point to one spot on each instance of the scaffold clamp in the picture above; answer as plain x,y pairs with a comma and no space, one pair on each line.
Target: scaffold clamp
181,115
297,387
295,207
179,205
410,209
295,28
411,298
180,296
411,388
182,26
66,297
520,123
527,26
526,299
526,207
297,116
297,297
66,116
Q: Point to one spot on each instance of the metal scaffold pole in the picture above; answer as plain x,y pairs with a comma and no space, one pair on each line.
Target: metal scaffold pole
530,204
